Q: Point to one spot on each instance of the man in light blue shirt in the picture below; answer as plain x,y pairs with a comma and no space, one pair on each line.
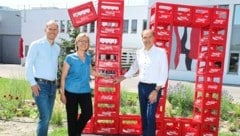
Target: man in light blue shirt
41,72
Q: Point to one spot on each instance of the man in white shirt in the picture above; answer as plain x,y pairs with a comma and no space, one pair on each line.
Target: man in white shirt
152,64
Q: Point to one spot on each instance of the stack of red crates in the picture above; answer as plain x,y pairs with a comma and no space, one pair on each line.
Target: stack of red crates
209,72
161,21
81,15
108,62
213,24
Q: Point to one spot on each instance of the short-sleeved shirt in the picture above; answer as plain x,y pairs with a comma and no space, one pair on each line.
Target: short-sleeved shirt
78,77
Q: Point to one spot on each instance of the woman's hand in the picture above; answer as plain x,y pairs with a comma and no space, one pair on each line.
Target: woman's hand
62,97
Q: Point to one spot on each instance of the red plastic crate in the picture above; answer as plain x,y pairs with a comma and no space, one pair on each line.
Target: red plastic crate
110,72
106,109
110,26
109,42
209,130
207,103
82,14
162,43
106,89
201,16
164,32
130,124
106,125
213,86
104,81
216,54
189,128
172,127
108,59
183,15
107,97
219,17
162,13
210,118
111,8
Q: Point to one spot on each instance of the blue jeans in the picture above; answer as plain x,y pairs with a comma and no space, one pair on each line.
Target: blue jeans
45,103
147,110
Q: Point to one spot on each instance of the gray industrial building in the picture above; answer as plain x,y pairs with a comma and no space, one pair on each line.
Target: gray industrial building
10,33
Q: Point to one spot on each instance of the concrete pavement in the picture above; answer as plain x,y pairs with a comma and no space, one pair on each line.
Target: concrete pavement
18,71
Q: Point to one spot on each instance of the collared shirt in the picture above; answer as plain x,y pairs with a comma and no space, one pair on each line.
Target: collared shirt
42,61
152,66
78,77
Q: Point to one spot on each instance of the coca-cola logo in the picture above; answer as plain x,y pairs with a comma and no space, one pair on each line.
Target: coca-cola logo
216,54
107,97
210,119
81,13
208,103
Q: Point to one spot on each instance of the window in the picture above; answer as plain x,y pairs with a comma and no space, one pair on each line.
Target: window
234,61
236,20
69,26
144,24
84,29
134,26
235,40
92,27
125,25
62,26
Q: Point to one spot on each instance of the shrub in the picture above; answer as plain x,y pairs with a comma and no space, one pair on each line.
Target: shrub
180,97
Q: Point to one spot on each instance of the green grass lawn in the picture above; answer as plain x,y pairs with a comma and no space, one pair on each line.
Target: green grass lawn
16,87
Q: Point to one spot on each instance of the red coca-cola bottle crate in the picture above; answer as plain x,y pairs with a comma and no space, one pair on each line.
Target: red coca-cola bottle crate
162,13
106,125
172,127
82,14
130,124
213,86
189,128
106,93
111,8
106,88
201,16
164,32
159,42
219,17
211,116
109,72
209,130
110,26
106,108
216,54
109,42
107,97
108,59
183,15
207,102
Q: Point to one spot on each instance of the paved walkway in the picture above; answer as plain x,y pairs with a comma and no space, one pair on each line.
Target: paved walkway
17,71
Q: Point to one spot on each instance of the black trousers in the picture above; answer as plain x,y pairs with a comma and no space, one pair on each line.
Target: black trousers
77,123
